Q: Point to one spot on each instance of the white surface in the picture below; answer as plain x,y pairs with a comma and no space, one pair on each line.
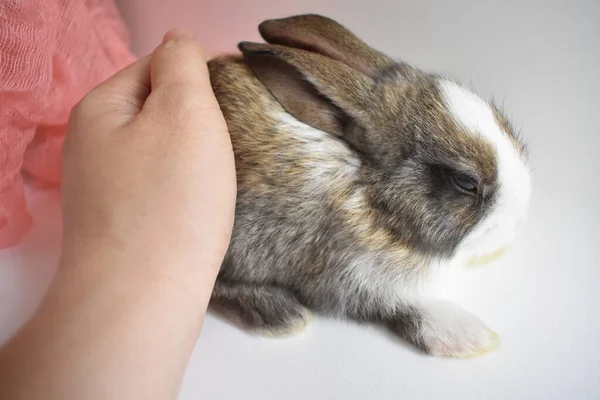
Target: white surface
542,297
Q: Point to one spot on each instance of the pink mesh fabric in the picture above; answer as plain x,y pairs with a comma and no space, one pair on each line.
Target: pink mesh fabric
51,53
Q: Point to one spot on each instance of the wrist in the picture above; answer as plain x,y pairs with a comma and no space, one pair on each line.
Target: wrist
106,263
136,326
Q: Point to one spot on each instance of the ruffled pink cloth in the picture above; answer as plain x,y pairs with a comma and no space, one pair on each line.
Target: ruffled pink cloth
51,53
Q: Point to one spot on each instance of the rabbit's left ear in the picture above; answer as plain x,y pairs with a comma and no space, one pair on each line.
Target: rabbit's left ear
327,37
317,90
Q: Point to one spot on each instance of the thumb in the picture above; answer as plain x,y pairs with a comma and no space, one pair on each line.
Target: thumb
179,60
181,84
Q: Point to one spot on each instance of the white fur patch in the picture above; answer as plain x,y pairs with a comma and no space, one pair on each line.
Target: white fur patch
332,165
329,160
448,330
386,285
509,212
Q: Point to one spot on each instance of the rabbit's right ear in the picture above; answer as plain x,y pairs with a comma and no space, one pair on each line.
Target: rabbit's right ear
315,89
327,37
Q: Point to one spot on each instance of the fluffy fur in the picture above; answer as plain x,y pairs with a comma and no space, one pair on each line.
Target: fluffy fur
359,178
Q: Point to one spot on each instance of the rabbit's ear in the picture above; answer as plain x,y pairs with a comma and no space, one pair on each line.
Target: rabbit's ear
327,37
315,89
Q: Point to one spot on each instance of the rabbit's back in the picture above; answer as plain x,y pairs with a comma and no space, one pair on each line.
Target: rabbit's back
292,180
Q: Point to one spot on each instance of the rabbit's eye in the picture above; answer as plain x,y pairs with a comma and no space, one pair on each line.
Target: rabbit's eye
464,184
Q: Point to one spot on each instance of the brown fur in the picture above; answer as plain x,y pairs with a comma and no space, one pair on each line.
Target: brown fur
378,201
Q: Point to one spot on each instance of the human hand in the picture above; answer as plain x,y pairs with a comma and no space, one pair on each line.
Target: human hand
148,170
148,192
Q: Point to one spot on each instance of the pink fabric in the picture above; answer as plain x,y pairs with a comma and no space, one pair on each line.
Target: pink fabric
51,53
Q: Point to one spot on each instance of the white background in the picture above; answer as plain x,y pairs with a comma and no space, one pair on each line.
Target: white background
542,59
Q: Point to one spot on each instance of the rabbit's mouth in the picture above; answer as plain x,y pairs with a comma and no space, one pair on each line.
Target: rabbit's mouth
481,260
489,243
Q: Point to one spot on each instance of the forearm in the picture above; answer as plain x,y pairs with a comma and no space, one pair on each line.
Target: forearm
110,331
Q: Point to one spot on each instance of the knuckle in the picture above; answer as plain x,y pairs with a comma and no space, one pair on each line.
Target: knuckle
85,106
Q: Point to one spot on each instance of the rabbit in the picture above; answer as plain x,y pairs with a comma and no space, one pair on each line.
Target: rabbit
360,178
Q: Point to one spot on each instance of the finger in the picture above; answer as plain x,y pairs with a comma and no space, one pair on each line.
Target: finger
132,81
179,60
181,87
121,96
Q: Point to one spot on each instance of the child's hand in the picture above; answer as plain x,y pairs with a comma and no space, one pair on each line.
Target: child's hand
148,197
148,166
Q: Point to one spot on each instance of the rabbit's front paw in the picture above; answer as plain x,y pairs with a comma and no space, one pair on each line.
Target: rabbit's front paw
266,310
444,329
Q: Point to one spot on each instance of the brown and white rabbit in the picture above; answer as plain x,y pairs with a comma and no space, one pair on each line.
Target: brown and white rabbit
359,178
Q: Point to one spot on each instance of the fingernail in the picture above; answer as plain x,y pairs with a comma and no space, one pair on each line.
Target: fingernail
177,34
